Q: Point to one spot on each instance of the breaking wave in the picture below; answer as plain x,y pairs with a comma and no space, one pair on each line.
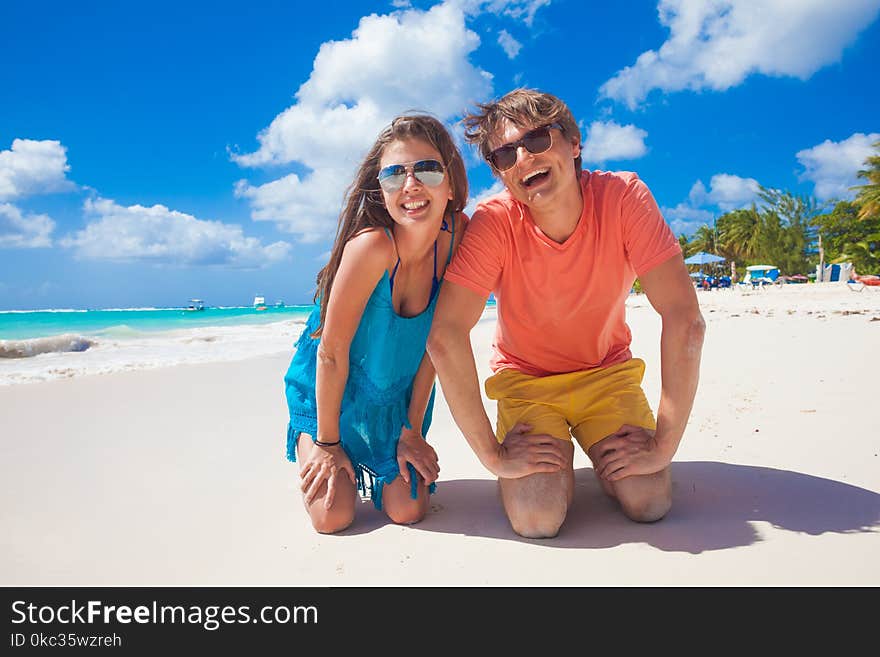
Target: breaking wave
36,346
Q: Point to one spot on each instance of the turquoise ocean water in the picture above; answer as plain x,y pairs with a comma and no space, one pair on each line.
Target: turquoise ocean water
53,344
125,322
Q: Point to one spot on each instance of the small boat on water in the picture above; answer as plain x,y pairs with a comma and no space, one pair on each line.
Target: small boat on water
279,304
195,305
259,302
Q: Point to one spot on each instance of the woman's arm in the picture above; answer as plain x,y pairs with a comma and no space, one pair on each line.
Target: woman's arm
363,262
364,259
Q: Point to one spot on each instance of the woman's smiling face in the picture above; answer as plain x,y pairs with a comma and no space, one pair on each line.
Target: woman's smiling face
414,201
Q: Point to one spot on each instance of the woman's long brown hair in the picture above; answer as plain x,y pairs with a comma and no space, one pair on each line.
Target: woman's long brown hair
364,206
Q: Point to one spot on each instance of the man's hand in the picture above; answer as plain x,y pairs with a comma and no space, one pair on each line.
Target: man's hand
522,454
324,464
413,448
628,451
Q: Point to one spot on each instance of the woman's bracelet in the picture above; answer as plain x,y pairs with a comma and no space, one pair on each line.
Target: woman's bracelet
321,443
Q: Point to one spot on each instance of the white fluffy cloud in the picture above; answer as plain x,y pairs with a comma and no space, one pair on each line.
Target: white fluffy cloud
832,165
157,234
19,230
607,140
33,167
510,45
687,213
406,60
523,10
727,191
307,206
716,44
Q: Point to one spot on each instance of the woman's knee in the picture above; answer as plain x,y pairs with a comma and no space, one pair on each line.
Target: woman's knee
406,513
332,520
399,505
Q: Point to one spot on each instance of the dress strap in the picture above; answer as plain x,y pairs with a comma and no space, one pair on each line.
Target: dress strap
393,273
435,284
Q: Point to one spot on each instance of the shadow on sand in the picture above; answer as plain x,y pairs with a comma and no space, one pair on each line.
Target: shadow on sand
714,506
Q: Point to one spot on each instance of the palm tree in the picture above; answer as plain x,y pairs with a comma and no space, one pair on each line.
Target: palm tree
686,248
869,194
787,228
739,234
704,240
846,238
861,253
793,210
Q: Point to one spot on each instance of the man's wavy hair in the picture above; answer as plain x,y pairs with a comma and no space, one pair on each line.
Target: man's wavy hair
524,108
364,205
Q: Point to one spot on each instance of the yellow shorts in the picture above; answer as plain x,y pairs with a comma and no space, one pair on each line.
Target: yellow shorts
588,405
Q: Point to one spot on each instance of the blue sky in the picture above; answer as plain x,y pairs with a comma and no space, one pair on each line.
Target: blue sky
154,152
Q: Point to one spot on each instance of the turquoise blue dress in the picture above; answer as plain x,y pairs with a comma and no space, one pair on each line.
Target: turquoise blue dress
384,356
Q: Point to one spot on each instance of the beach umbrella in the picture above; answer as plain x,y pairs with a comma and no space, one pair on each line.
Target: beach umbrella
702,258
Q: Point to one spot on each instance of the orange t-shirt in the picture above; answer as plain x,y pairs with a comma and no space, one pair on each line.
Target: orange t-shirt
561,306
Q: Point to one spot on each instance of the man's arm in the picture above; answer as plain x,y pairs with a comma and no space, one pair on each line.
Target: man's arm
637,451
412,447
449,346
669,288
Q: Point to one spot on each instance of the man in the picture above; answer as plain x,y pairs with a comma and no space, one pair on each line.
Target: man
561,248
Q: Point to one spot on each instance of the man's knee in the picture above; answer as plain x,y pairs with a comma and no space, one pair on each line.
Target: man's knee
543,523
536,508
648,509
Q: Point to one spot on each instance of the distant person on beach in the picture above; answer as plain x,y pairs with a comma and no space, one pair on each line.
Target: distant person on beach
360,387
560,248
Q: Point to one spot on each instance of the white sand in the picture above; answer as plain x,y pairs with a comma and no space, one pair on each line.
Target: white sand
177,476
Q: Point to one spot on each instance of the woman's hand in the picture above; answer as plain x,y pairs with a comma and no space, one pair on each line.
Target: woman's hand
324,464
413,448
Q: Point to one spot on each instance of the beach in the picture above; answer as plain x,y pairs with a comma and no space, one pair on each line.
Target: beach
176,475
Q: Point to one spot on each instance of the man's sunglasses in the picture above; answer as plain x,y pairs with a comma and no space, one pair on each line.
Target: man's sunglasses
428,172
535,141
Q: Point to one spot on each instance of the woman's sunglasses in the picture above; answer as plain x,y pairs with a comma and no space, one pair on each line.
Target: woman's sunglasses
535,141
428,172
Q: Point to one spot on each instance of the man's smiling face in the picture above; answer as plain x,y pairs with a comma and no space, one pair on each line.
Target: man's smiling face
536,179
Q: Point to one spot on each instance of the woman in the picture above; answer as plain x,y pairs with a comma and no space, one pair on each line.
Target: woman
360,388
